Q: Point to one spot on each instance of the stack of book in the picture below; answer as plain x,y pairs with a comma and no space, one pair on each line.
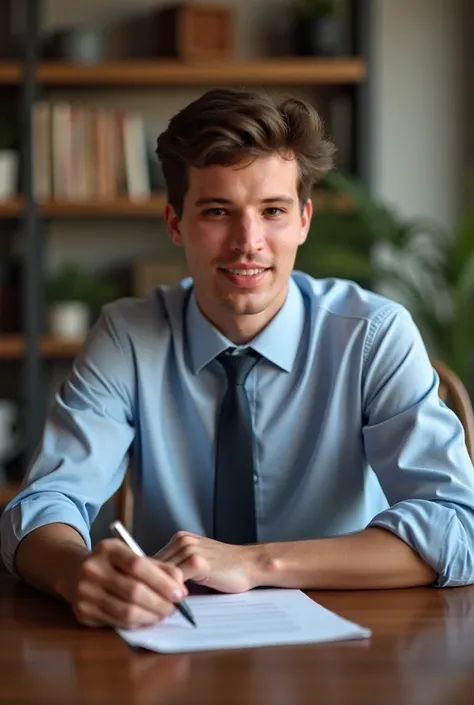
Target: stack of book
83,153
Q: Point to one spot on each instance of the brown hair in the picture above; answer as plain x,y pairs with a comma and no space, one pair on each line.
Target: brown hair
226,126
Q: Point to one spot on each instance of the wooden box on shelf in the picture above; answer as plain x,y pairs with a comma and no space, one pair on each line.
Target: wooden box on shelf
181,31
196,32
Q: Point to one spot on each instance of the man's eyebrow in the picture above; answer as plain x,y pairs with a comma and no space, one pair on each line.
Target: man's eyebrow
278,199
213,199
228,202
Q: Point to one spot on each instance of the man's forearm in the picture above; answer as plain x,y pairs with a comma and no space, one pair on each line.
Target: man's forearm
49,556
373,558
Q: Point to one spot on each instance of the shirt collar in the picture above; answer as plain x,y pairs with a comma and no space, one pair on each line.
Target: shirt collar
278,342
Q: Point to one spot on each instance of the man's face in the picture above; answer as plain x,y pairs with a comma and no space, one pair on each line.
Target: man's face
241,227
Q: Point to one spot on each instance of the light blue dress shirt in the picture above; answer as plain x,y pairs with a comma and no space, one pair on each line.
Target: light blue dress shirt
349,430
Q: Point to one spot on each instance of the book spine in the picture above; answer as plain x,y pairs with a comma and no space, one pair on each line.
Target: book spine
136,162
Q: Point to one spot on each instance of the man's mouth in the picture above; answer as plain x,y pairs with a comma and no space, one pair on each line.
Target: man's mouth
245,272
245,278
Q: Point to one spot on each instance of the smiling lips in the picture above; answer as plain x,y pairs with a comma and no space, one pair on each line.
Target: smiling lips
245,272
244,276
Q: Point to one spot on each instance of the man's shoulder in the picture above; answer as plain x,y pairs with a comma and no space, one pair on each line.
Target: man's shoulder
344,299
161,311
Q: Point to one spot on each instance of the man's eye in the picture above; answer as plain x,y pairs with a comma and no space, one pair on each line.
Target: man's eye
215,212
273,211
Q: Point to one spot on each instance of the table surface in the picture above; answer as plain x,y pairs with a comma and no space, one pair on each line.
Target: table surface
421,651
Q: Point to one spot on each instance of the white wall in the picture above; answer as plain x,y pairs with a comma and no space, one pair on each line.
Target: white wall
418,102
467,77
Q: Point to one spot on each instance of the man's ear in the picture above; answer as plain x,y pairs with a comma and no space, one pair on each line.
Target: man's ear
306,220
173,225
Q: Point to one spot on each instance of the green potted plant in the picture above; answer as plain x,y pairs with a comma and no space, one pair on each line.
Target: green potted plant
418,263
319,27
74,298
9,159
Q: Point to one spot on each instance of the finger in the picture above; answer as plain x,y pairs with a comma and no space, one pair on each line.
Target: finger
178,542
167,553
173,571
92,616
128,589
137,593
101,571
149,571
145,569
192,565
118,612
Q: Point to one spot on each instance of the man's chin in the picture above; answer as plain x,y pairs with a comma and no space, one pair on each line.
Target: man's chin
250,304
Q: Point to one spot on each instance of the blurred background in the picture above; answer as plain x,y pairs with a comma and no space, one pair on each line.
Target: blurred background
88,86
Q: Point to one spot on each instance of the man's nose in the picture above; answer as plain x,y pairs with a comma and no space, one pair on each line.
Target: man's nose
247,233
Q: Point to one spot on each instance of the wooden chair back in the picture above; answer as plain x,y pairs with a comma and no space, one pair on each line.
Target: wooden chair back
124,502
454,394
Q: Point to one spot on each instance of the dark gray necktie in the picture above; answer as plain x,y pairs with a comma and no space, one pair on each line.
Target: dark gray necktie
234,500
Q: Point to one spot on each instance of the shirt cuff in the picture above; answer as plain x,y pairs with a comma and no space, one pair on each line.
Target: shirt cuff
14,529
437,536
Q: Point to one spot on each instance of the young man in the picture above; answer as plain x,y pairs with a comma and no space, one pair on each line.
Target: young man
288,431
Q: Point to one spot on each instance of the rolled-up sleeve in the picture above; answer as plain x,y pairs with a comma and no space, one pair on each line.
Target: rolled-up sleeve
416,447
83,454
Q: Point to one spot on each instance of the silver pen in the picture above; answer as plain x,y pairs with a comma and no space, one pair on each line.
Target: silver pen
120,532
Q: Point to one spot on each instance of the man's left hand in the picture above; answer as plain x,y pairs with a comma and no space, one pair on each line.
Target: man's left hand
216,565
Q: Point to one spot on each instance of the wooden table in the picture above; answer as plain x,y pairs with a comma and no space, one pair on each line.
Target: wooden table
421,652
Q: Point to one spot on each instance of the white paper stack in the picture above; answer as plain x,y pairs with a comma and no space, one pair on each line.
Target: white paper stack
267,617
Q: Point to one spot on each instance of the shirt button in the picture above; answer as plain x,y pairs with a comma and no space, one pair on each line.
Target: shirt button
255,477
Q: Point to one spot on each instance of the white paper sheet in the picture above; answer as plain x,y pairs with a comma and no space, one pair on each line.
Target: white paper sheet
256,618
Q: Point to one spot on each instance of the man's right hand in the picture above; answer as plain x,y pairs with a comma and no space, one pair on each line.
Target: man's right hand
114,587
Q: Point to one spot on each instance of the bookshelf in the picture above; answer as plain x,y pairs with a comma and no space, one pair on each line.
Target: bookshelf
125,208
14,347
11,73
32,77
293,71
12,208
118,208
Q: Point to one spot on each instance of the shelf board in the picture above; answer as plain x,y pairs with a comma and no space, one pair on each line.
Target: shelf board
12,208
10,72
125,208
278,71
118,208
13,346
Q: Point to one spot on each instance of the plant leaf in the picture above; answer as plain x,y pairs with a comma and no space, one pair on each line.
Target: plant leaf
338,262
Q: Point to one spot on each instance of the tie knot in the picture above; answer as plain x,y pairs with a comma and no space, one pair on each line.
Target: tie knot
238,367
